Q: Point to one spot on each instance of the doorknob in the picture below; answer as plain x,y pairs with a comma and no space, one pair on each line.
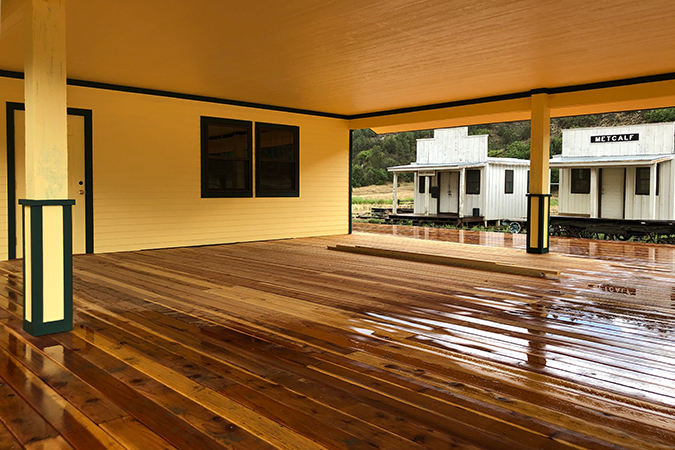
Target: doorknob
81,191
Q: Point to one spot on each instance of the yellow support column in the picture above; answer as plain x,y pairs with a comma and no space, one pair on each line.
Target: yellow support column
539,198
47,221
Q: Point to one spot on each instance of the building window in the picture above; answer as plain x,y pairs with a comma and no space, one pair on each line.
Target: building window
508,182
642,181
658,177
226,157
581,181
473,181
277,160
421,184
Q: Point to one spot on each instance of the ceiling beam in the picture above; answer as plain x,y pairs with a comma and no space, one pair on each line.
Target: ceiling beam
628,97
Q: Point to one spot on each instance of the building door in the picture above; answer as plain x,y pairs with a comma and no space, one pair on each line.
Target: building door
449,195
77,183
612,193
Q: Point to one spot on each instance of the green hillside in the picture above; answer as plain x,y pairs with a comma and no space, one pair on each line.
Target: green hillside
373,153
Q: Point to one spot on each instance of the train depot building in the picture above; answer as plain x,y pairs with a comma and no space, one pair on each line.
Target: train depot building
456,181
624,172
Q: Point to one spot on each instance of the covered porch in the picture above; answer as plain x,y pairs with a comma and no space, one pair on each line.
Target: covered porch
287,345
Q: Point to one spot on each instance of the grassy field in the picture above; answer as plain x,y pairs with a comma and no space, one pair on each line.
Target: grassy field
366,197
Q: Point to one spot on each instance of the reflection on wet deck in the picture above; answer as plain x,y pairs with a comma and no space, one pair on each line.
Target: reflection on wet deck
287,345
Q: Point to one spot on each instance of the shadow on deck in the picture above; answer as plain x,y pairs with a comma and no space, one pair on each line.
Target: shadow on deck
287,345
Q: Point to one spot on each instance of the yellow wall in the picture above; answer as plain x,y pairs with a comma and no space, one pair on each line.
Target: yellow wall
147,175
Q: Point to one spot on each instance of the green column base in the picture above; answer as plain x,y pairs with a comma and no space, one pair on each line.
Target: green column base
538,215
47,266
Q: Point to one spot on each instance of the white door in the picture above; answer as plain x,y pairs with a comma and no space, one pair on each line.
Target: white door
449,194
612,194
76,181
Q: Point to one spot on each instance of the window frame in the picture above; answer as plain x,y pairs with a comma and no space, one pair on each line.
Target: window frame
508,184
477,183
638,190
208,193
296,156
574,186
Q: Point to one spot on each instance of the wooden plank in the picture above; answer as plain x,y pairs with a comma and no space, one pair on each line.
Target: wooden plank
160,421
134,436
56,443
78,429
219,429
77,393
491,266
7,439
266,429
22,421
323,405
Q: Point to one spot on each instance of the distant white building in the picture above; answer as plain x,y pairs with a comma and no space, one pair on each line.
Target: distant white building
454,177
624,172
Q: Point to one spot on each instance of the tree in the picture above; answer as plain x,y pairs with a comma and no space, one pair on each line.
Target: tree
660,115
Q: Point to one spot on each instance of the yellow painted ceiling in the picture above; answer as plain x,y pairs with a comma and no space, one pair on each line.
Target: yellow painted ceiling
357,56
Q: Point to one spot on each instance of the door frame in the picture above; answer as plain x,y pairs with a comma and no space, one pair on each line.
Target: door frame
88,176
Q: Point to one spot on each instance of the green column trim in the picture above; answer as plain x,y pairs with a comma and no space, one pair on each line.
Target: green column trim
28,202
37,326
543,212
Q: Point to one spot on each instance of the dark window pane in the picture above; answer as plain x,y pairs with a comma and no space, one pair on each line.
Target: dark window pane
226,157
276,176
228,141
508,183
642,181
473,182
581,181
277,160
227,175
422,181
658,178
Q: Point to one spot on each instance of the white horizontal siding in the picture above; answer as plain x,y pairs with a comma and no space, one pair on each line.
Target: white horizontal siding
499,204
654,139
452,145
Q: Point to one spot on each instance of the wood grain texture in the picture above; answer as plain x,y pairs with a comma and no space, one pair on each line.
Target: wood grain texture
287,345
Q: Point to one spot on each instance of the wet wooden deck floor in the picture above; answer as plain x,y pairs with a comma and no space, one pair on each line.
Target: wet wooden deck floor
287,345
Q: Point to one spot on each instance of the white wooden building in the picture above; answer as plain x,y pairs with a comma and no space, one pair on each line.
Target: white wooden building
624,172
455,177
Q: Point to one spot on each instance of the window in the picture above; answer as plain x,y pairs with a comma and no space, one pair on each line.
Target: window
421,184
226,157
277,160
508,182
642,181
473,181
581,181
658,177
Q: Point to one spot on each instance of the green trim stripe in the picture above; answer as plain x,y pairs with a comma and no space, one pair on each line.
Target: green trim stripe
37,326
